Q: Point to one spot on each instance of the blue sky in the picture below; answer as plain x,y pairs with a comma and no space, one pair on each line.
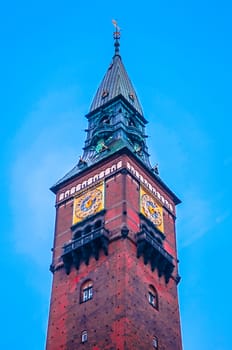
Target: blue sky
178,55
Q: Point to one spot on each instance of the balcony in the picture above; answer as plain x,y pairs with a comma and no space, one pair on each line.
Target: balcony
153,252
80,249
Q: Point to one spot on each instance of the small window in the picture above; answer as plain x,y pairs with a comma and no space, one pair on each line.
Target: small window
155,342
84,337
86,291
153,297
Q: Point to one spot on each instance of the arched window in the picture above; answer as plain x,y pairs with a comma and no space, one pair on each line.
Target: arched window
84,336
86,291
153,297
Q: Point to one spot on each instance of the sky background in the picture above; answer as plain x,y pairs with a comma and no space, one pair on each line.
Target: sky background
53,57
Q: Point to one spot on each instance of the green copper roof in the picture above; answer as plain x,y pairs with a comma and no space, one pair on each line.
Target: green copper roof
116,82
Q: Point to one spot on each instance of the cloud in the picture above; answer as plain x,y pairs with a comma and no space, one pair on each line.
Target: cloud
195,217
44,148
184,152
222,217
228,161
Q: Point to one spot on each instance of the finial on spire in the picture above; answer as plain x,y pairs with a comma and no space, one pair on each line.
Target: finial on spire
116,36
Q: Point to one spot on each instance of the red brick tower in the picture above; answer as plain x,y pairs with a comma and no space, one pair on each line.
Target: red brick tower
114,260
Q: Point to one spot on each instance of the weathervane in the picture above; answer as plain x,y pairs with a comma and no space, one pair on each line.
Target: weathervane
116,36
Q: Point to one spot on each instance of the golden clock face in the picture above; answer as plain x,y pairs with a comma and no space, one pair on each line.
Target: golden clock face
88,204
152,210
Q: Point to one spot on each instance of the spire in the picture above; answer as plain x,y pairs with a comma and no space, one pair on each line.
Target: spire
117,35
115,119
116,81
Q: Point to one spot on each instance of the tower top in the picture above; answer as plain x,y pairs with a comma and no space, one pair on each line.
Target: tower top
115,119
116,82
117,35
116,124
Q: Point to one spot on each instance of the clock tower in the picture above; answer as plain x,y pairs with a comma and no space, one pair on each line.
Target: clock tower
114,263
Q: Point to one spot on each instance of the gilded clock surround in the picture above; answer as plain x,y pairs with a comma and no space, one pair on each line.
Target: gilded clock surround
151,209
88,203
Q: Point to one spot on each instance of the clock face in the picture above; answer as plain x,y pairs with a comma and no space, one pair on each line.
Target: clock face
151,210
88,204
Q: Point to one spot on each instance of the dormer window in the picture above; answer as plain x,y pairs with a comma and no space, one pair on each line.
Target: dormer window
105,93
132,96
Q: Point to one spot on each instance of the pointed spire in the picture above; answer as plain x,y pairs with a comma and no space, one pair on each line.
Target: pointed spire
116,81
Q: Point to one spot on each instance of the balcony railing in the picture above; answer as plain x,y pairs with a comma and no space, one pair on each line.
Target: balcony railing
82,248
143,235
153,252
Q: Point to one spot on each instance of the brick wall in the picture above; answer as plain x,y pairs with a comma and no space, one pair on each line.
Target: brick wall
119,316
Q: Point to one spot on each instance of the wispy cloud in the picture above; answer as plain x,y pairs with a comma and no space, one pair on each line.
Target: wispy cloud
45,147
195,217
228,161
181,143
184,151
